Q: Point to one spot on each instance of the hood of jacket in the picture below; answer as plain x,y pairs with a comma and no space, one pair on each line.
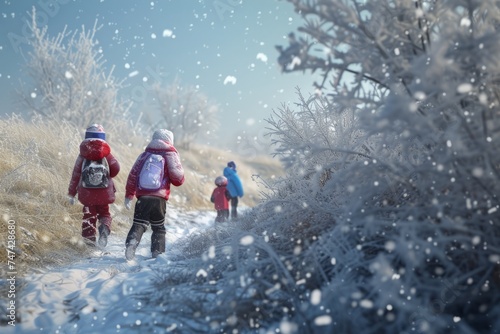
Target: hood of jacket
94,149
159,145
228,172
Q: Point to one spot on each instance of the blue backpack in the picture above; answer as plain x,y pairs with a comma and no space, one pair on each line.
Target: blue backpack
152,172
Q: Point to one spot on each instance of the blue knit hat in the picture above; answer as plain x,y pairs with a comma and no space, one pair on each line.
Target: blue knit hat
231,164
95,131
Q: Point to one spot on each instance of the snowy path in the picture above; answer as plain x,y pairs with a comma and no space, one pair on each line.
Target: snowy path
85,297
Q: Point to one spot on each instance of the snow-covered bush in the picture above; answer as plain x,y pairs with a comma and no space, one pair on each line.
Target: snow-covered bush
421,207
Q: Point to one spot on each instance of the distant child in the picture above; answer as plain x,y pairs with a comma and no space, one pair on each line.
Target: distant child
220,197
149,180
234,187
92,179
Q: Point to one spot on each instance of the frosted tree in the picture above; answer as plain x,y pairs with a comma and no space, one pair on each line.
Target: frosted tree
417,192
187,111
68,79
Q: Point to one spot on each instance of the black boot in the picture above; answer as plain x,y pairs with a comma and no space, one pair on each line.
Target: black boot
133,239
103,235
157,240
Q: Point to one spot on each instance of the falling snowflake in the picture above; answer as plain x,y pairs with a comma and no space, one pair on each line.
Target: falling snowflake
262,57
246,240
230,79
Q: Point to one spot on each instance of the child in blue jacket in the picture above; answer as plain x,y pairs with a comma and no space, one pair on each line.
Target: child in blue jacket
234,187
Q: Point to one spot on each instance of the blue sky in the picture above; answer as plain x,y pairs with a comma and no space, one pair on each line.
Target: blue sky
206,44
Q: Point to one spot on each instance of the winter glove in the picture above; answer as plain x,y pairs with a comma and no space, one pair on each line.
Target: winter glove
71,200
128,203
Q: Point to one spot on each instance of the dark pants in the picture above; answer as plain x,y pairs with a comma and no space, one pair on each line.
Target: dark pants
234,206
149,210
91,214
222,216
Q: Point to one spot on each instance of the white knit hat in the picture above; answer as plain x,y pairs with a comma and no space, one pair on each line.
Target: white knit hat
220,181
165,135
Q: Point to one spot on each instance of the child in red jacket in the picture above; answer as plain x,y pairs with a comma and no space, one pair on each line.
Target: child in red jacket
149,180
92,180
220,197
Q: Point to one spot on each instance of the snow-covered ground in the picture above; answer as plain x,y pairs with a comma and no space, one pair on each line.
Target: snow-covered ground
93,294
